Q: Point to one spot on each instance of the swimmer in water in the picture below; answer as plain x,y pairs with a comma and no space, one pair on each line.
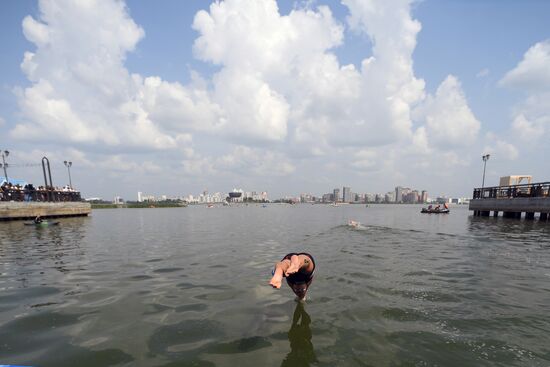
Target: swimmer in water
298,269
353,223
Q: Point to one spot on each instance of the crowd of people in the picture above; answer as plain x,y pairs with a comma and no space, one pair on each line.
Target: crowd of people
11,192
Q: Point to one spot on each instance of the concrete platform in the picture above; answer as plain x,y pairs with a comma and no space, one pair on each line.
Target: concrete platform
512,207
14,210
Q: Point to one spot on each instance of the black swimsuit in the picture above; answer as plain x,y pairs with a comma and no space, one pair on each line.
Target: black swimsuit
300,276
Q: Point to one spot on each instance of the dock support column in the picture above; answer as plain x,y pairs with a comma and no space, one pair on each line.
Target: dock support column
518,215
543,216
495,213
529,215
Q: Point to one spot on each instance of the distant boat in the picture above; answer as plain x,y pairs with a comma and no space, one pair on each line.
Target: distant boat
264,206
435,211
210,205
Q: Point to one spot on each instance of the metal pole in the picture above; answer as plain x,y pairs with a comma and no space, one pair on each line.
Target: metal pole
68,165
5,170
483,182
70,181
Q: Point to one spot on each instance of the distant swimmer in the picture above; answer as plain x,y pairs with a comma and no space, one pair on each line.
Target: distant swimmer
298,269
354,224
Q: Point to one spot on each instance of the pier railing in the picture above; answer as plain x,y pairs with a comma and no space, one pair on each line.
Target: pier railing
533,190
38,195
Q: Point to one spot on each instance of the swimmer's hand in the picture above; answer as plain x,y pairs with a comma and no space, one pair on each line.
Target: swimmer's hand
275,282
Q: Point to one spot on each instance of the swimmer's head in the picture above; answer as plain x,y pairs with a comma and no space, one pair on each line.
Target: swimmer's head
299,288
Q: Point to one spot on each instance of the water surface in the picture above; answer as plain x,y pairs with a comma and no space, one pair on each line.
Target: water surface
188,287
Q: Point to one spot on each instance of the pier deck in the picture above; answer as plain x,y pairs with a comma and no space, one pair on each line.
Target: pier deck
14,210
513,201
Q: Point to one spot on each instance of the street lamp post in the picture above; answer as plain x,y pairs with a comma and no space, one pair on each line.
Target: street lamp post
68,165
485,159
5,153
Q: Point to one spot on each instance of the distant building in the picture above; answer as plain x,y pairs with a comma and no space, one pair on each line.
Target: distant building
118,200
306,198
411,197
140,197
442,200
336,195
424,196
236,195
515,180
327,198
346,195
398,194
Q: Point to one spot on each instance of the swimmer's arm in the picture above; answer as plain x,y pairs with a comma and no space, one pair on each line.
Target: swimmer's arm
280,269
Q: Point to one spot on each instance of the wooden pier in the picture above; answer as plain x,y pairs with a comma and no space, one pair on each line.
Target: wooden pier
513,201
14,210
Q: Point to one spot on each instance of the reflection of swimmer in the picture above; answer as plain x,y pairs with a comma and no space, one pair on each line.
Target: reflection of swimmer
298,270
301,348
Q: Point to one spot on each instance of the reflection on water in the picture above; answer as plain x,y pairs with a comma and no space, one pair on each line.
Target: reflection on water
301,348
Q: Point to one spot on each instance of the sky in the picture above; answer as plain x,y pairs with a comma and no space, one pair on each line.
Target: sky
289,97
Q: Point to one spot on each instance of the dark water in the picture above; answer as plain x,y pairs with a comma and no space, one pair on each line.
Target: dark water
188,287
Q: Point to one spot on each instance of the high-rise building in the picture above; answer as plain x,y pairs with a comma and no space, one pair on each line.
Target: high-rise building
398,194
424,196
347,195
140,197
336,195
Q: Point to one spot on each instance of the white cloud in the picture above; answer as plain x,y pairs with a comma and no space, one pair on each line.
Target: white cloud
366,160
531,119
527,130
482,73
533,72
81,92
119,163
449,121
499,147
279,97
256,161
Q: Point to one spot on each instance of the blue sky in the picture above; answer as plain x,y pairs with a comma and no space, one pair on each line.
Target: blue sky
249,95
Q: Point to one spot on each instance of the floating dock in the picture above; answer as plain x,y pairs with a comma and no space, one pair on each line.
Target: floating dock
513,201
16,210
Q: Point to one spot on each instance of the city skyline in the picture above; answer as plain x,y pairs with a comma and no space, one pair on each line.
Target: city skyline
280,95
398,195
